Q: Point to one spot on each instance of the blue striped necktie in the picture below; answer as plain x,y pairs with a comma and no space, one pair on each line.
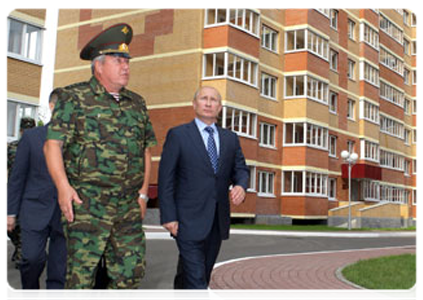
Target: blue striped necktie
211,148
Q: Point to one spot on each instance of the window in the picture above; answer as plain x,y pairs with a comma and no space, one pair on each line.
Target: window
242,122
266,183
391,94
416,106
416,48
244,19
294,86
391,29
333,102
24,41
351,109
267,135
294,133
370,36
333,60
268,86
305,182
226,64
295,40
416,166
317,90
292,182
316,136
332,145
391,160
370,73
414,77
407,106
370,190
369,111
370,151
406,18
316,184
351,69
334,18
332,189
413,20
351,146
416,197
407,76
406,46
317,44
391,127
15,112
407,166
391,61
302,39
252,183
351,29
393,194
416,136
242,69
324,11
269,38
407,134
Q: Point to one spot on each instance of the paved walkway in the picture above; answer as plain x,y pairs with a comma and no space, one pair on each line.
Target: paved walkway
317,270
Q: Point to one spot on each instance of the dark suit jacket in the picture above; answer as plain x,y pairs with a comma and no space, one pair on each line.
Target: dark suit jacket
31,193
189,191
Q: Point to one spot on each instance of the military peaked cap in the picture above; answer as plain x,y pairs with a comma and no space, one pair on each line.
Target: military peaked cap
112,40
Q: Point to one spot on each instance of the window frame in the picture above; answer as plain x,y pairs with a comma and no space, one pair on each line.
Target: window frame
24,47
268,177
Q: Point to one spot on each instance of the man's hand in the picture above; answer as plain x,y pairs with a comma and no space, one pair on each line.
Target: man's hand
66,196
237,195
172,227
11,223
143,207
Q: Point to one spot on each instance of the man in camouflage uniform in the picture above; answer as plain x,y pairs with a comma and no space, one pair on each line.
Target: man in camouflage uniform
12,147
102,176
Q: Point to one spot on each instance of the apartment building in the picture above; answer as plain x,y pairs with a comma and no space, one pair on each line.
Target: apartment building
24,53
299,86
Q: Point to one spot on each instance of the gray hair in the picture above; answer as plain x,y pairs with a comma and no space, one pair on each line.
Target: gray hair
54,95
99,58
197,92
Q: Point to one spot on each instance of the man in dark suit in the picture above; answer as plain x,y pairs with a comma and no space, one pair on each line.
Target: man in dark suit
200,161
31,194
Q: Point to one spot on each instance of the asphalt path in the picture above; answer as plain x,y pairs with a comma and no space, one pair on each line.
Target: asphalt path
162,251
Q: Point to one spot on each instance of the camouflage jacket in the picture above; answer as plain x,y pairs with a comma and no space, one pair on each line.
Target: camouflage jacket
103,139
12,147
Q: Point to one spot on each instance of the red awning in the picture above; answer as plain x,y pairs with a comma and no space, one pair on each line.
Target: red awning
362,171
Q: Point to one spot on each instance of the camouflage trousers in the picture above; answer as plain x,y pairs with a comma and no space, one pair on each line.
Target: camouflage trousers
15,238
106,223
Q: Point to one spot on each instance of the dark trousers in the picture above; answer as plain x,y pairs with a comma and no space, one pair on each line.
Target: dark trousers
196,260
34,256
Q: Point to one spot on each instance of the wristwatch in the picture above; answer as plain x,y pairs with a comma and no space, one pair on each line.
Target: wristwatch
144,197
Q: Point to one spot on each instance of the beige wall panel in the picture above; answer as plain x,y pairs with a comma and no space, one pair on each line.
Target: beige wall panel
390,142
167,80
242,94
369,129
295,108
317,111
23,78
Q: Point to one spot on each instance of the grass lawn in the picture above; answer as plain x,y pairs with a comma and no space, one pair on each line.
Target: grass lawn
390,272
311,228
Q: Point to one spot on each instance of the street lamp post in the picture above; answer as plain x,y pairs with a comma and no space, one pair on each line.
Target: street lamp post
350,159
